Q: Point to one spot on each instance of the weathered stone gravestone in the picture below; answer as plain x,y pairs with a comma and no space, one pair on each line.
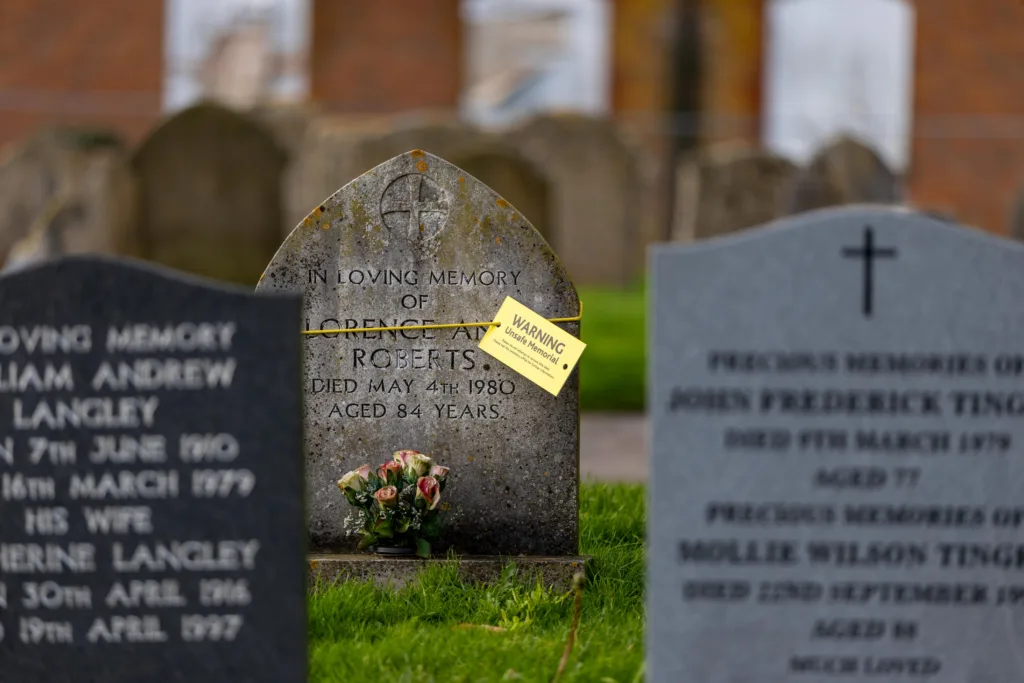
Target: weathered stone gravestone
837,411
150,479
729,190
595,190
417,241
44,241
88,173
210,194
846,171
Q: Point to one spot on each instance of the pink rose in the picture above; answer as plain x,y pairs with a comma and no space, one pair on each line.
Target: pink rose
389,467
402,456
363,471
429,491
351,482
439,471
387,496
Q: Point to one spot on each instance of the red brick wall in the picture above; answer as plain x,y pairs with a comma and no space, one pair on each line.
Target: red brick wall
732,33
640,54
93,62
385,56
968,148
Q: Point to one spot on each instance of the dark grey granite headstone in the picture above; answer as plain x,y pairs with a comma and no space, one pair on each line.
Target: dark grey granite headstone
836,485
417,241
150,479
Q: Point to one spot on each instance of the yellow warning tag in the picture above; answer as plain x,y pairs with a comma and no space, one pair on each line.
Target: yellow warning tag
533,346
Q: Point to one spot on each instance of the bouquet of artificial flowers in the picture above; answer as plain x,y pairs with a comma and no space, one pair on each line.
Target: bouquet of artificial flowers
399,502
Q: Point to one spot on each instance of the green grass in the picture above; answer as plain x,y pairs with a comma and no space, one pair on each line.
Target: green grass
359,632
612,366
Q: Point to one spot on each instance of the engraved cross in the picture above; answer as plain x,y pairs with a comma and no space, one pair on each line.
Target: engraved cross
414,203
868,252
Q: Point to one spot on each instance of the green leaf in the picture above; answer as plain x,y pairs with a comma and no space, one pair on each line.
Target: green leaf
366,541
422,547
432,526
383,529
401,524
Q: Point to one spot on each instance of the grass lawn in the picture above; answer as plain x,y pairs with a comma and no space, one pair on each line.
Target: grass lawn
612,366
359,632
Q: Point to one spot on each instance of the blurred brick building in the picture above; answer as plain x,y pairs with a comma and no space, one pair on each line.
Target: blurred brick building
968,147
386,56
967,150
96,63
101,63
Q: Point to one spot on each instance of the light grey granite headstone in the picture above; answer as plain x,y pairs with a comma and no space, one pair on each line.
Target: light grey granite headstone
417,241
836,489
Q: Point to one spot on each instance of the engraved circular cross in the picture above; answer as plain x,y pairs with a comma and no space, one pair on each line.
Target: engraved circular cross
414,206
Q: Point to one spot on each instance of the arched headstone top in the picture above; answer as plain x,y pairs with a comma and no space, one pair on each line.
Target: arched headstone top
210,194
419,206
208,118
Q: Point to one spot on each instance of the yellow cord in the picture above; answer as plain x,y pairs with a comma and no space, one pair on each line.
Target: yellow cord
439,326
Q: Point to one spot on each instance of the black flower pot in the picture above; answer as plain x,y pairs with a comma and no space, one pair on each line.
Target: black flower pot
392,551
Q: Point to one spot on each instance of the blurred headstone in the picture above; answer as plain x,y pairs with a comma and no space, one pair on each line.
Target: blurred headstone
87,169
210,194
595,194
290,124
46,236
729,189
846,171
151,502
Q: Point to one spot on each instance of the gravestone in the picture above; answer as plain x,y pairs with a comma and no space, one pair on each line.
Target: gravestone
846,171
596,212
837,409
730,190
210,194
87,170
44,241
417,241
150,479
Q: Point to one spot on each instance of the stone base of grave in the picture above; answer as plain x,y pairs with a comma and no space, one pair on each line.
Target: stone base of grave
556,571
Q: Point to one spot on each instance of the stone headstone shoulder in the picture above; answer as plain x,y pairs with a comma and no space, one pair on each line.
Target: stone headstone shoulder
417,241
150,478
836,417
729,188
845,171
90,169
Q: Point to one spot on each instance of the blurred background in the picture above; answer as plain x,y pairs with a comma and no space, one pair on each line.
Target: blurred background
197,133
